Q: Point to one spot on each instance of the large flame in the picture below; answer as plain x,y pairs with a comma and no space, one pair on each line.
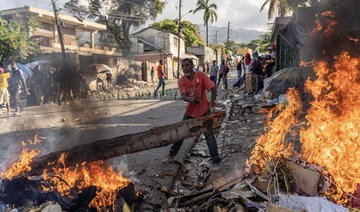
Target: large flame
273,144
98,174
22,165
331,138
68,179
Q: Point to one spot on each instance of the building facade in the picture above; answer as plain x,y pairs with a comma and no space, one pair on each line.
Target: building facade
160,44
78,36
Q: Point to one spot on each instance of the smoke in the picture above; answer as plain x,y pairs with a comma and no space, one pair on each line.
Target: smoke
338,29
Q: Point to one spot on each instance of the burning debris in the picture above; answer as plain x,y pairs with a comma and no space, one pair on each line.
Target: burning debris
86,185
310,147
81,179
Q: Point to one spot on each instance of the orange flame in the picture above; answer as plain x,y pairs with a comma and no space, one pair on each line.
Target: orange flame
98,174
328,26
25,158
273,145
333,124
354,39
331,136
22,166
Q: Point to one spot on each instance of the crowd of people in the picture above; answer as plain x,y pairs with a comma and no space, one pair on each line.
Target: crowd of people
252,70
18,85
45,84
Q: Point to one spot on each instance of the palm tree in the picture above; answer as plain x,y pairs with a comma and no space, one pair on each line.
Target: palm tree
209,14
280,6
283,7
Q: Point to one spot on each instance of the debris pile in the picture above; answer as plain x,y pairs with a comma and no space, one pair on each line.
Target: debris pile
283,184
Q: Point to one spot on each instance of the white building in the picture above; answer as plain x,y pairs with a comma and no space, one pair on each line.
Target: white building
160,44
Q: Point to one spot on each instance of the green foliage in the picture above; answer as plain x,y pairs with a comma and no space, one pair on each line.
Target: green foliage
210,14
118,15
15,39
262,44
190,31
284,7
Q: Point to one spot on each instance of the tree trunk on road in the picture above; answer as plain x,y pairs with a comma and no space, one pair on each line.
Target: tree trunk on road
114,147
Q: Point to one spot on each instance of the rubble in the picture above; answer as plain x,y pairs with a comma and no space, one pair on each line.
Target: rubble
230,187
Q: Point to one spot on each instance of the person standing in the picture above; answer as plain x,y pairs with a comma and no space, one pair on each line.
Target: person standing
256,70
4,93
240,74
214,72
152,74
161,76
193,87
224,70
18,84
248,74
109,78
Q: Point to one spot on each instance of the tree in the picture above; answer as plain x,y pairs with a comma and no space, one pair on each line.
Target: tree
283,7
209,14
15,39
190,31
118,15
262,44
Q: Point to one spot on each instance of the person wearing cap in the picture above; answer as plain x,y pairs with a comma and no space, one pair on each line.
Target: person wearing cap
4,93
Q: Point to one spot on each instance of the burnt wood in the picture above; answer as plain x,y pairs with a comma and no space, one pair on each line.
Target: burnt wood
131,143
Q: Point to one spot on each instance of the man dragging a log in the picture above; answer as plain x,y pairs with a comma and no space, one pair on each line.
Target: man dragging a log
193,87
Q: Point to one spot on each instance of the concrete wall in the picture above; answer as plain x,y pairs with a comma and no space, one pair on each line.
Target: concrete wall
205,54
165,40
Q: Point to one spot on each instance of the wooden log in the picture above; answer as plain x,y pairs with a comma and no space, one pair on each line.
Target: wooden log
131,143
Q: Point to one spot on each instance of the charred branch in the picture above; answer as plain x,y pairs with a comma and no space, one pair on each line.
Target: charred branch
126,144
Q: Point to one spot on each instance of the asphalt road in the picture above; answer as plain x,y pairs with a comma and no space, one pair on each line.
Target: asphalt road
80,122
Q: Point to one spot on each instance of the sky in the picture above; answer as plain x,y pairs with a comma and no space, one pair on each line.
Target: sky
241,13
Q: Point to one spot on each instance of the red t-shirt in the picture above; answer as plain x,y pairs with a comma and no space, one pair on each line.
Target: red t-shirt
196,88
160,71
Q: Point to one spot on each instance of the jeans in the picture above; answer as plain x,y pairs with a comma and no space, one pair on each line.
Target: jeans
210,141
161,83
239,82
224,78
17,98
213,78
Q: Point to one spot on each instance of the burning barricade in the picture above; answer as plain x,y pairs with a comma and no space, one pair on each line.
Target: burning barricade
308,158
89,185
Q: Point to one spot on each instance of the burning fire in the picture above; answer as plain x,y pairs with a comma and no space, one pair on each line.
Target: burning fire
330,138
333,123
273,144
23,163
66,179
328,25
98,174
22,166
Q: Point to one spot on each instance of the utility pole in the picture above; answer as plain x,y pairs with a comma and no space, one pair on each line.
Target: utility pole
228,33
228,36
216,50
179,32
58,26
